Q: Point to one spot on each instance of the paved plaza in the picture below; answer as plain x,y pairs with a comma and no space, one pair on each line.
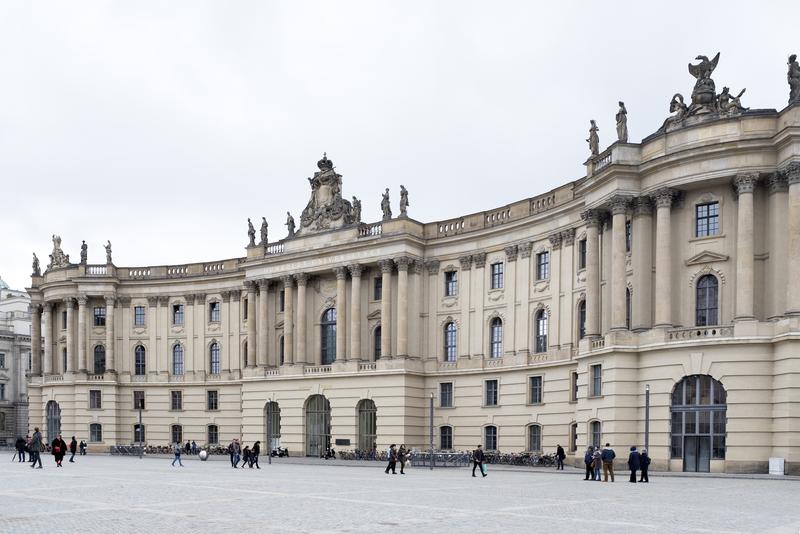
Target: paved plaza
120,494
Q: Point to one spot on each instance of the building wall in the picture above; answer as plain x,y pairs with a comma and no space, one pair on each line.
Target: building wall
15,346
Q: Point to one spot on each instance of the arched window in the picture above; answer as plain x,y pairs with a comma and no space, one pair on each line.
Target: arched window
138,433
177,359
581,319
367,425
446,438
628,309
95,433
535,438
213,355
139,360
176,432
213,435
496,338
272,414
450,342
706,306
99,360
596,433
699,407
490,438
541,331
281,349
318,425
376,346
328,332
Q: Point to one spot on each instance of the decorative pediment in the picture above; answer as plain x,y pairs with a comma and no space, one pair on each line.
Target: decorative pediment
706,257
279,325
374,316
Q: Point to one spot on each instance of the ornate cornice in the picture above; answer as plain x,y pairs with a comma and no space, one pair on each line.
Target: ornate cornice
663,197
302,278
402,263
386,265
512,251
200,297
480,260
745,183
355,269
777,183
568,236
236,294
642,206
432,266
525,249
555,241
466,262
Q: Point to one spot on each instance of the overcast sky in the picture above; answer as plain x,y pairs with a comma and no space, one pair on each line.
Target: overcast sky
162,126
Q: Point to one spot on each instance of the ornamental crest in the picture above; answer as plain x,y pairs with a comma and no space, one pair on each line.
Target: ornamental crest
58,258
326,209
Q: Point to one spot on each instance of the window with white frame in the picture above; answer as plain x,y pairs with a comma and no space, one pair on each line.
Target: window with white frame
490,393
446,394
496,338
138,316
95,399
450,337
543,265
450,283
496,270
535,388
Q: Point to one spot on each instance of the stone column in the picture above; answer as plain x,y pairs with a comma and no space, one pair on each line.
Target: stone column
553,334
36,340
341,313
355,311
593,219
261,323
288,320
745,246
47,326
302,331
70,304
510,288
778,253
642,260
402,306
663,295
110,361
566,275
235,315
792,173
619,210
465,291
252,341
386,307
152,329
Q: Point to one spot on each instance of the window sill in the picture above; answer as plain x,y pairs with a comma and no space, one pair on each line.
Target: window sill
535,404
95,409
446,407
490,406
595,396
706,238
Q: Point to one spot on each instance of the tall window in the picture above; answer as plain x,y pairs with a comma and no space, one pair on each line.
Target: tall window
377,288
450,283
699,406
596,431
213,312
582,254
543,265
64,320
628,308
138,315
628,236
99,360
95,433
496,338
535,438
281,300
328,332
490,437
573,386
138,433
582,319
99,316
535,384
95,399
213,357
446,438
2,360
176,432
541,331
496,270
376,344
450,342
281,350
176,400
177,314
212,400
597,380
706,307
573,437
138,400
177,360
244,308
707,219
490,395
446,394
139,360
213,434
64,359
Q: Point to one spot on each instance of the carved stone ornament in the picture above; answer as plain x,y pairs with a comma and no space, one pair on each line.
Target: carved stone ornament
57,259
341,272
664,197
592,217
432,266
642,206
745,183
480,260
326,209
236,294
622,123
511,252
792,172
525,249
594,139
619,204
402,263
466,262
568,236
84,252
355,269
555,241
164,300
37,271
82,300
263,285
288,281
793,77
417,266
777,183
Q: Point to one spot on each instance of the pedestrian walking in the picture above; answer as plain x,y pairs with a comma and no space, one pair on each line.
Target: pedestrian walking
28,441
402,456
588,460
644,462
188,448
20,446
233,450
560,455
597,463
177,450
59,449
392,459
83,448
254,452
36,448
477,459
194,448
73,448
608,456
246,457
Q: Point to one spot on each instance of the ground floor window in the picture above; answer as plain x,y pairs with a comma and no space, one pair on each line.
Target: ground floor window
446,438
177,434
95,433
213,434
490,437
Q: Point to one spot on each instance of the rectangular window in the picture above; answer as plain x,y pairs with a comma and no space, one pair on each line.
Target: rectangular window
213,400
490,398
138,315
628,236
446,438
543,266
213,312
2,392
177,314
64,320
707,219
490,434
244,309
138,400
582,254
213,434
95,433
176,400
2,360
99,316
497,276
95,399
597,380
535,383
377,288
446,394
573,386
281,300
450,283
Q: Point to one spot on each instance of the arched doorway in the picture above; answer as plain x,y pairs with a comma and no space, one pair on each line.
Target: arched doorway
367,425
318,425
53,420
272,425
699,405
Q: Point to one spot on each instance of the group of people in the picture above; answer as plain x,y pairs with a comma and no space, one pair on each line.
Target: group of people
35,445
395,455
596,459
247,456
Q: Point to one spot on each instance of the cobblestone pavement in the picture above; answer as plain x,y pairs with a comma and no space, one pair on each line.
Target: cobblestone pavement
114,494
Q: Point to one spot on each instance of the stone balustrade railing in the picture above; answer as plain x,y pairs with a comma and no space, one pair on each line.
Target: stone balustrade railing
96,270
278,247
598,343
317,370
493,218
699,332
602,161
542,203
369,366
369,230
451,227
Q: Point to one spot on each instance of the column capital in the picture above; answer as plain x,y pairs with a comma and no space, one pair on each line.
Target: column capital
236,294
555,241
525,249
109,300
288,281
642,206
250,285
512,251
301,279
479,258
466,262
593,217
416,267
792,172
568,236
402,263
189,298
355,269
163,300
152,301
35,308
70,303
432,266
226,296
263,284
341,272
619,204
777,183
47,307
124,302
200,298
386,266
745,183
663,197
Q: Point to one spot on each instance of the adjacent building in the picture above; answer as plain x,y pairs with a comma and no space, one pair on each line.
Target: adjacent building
15,358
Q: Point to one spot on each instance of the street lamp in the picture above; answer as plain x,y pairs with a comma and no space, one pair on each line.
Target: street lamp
431,432
269,437
141,445
647,417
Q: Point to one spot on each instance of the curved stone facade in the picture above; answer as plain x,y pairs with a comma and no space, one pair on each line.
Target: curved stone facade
548,318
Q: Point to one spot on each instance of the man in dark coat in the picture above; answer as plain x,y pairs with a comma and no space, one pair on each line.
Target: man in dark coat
20,446
73,448
392,459
477,460
608,456
588,459
59,449
560,455
36,448
634,462
644,462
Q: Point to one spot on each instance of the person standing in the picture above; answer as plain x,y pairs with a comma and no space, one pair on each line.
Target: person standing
83,448
634,462
644,462
254,452
73,448
588,460
392,459
608,456
246,457
36,448
597,463
28,441
188,448
194,448
59,449
477,459
20,446
237,452
177,450
560,455
402,455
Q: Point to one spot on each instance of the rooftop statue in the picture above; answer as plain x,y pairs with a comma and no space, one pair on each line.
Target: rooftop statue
107,246
704,92
594,139
264,230
84,252
386,206
326,209
622,123
57,258
793,77
403,201
290,223
251,233
731,104
36,270
356,210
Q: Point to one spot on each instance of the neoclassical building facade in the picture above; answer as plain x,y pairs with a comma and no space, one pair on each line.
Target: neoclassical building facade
669,268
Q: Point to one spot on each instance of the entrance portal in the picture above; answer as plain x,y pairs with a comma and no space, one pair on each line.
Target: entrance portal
698,422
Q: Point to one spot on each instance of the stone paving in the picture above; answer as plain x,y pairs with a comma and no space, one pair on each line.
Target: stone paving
121,494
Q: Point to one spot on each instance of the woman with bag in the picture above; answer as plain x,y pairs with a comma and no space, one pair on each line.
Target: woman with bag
59,449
